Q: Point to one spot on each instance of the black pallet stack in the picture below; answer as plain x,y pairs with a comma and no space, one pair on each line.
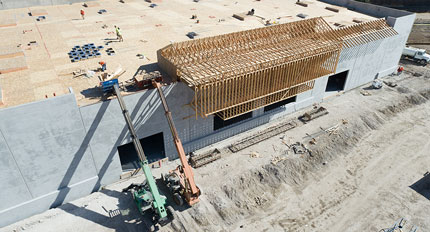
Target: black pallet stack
87,51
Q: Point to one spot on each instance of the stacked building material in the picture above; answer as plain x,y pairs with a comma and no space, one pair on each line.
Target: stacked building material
87,51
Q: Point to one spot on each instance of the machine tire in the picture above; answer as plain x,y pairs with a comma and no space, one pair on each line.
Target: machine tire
177,198
132,194
163,221
170,212
423,62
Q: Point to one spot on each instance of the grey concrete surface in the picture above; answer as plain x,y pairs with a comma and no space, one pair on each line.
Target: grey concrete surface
53,151
44,157
369,9
12,4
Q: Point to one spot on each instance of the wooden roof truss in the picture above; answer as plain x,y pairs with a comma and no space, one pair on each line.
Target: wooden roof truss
239,72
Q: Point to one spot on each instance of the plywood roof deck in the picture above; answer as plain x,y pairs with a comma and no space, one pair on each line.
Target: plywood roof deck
145,30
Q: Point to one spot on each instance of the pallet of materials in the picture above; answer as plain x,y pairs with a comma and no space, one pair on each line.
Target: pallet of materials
87,51
197,161
261,136
240,16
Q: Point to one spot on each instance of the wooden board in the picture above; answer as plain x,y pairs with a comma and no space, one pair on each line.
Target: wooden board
240,16
305,4
334,9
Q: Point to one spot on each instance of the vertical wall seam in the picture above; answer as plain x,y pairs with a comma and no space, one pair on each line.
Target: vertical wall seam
89,146
16,163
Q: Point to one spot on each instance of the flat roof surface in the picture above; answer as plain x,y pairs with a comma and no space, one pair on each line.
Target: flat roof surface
145,30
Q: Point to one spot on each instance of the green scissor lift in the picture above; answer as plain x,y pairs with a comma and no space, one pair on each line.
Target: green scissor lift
146,195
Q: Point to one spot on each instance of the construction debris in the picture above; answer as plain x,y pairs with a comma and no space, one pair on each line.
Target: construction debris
251,12
83,72
254,155
377,84
277,159
330,131
200,160
298,148
261,136
143,80
390,84
41,18
114,75
334,9
303,16
399,226
110,51
305,4
314,113
365,92
32,43
191,35
240,16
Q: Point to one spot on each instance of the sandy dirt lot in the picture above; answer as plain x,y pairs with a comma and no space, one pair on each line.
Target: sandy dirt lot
363,176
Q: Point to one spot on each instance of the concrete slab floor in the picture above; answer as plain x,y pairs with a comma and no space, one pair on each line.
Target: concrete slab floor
145,30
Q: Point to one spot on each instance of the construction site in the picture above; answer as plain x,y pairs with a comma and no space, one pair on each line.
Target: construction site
214,115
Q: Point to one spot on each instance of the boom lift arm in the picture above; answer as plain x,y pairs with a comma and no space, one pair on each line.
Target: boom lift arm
144,199
180,180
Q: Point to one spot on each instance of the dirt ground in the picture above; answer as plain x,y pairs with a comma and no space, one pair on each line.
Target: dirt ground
363,176
420,34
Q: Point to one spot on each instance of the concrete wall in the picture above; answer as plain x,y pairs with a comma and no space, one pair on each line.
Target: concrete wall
52,151
367,8
12,4
44,158
378,58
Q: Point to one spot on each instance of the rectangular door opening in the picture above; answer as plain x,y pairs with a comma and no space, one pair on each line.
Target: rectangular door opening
336,82
220,123
280,104
153,147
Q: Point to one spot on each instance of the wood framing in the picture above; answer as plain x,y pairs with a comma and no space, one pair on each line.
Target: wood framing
236,73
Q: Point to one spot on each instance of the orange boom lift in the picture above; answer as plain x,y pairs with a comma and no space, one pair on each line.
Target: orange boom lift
180,181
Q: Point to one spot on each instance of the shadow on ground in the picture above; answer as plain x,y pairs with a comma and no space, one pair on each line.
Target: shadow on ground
124,218
422,186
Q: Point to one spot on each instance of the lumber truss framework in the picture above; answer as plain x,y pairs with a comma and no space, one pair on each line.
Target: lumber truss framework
236,73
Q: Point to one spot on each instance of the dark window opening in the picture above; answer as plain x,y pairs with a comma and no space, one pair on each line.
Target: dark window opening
220,123
153,147
336,82
279,104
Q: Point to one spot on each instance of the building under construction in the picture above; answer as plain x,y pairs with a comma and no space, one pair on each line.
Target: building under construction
55,150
